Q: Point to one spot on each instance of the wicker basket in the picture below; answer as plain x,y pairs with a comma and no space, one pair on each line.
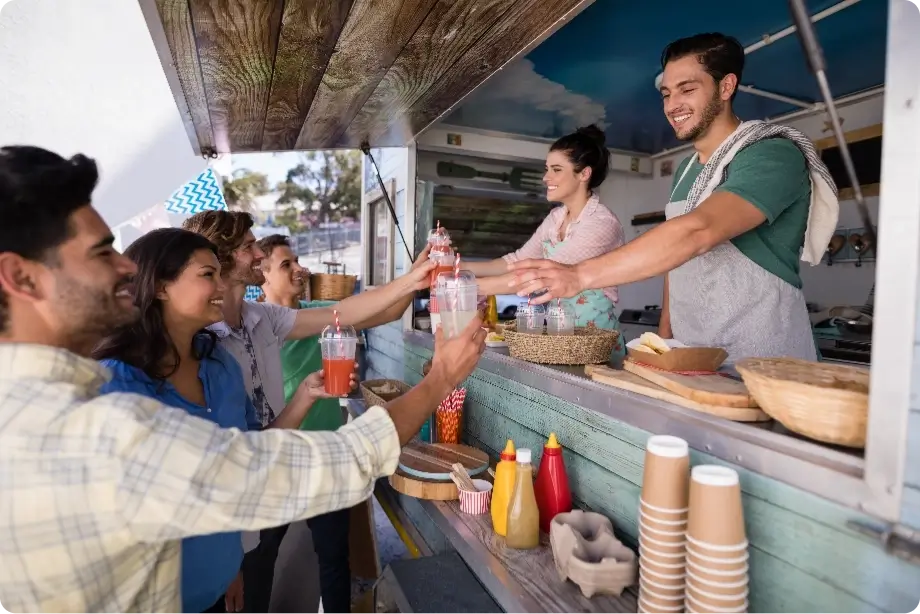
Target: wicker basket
588,346
330,287
372,398
829,403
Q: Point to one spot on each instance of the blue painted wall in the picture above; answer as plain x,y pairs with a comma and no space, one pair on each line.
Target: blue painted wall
601,67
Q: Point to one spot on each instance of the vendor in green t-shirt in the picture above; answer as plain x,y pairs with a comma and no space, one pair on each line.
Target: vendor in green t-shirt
750,202
285,283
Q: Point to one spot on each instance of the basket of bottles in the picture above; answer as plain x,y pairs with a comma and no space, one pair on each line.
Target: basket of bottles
548,335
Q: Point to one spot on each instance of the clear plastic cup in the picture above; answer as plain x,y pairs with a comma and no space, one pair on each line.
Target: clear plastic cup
560,319
444,262
530,318
439,239
338,347
458,300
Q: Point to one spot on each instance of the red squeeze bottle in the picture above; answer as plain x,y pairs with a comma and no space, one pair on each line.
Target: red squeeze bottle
552,485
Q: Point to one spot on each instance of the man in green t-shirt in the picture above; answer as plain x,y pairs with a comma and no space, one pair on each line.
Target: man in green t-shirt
285,283
740,210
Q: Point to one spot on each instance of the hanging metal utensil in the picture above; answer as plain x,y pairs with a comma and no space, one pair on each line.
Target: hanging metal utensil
815,56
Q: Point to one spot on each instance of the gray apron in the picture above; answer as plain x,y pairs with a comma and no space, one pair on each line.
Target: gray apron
724,299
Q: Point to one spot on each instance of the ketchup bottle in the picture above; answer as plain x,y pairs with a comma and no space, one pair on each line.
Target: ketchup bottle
552,485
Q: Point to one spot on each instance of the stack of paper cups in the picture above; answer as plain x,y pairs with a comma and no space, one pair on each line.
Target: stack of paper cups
717,556
663,525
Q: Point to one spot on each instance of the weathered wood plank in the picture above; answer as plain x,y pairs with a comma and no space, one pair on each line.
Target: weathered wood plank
237,40
448,31
804,531
910,498
910,507
381,366
514,32
372,39
309,31
176,23
535,571
776,585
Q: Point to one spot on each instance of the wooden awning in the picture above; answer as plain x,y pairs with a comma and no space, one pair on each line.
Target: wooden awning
276,75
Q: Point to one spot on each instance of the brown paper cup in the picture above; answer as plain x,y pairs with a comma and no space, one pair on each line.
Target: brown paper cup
716,600
695,605
667,570
664,479
661,590
718,561
666,547
660,524
663,513
730,586
718,576
664,557
715,514
652,605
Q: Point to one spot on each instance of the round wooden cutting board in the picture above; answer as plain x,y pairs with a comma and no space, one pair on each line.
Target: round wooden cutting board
433,490
432,461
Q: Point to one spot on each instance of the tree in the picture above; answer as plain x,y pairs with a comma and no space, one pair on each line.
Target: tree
243,187
326,183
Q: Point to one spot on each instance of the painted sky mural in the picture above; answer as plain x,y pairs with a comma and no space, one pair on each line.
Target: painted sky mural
601,67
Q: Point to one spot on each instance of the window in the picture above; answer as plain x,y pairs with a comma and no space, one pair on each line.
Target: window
380,239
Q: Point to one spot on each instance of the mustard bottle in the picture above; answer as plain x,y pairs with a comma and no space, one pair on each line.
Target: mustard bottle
491,315
523,515
502,488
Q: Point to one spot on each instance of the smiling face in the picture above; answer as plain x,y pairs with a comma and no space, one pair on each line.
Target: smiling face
195,298
283,274
247,263
692,98
561,180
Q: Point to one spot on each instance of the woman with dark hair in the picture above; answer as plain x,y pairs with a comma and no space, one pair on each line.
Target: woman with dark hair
582,228
170,355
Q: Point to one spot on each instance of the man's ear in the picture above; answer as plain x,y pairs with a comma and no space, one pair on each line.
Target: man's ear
728,86
19,277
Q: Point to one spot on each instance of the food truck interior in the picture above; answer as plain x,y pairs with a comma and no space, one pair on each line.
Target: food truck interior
459,102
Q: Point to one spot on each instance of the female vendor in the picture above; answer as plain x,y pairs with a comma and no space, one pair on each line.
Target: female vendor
581,229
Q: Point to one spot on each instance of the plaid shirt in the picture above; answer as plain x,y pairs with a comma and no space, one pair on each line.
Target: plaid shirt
97,491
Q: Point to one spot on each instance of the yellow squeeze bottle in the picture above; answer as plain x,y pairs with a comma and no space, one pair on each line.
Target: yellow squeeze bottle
502,489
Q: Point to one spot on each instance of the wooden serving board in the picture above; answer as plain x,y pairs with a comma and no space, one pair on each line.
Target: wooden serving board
706,389
432,461
434,490
633,383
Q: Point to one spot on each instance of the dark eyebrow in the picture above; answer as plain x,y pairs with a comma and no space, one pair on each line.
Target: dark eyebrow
208,266
106,241
680,85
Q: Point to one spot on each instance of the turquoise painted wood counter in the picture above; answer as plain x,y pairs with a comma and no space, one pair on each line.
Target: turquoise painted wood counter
804,558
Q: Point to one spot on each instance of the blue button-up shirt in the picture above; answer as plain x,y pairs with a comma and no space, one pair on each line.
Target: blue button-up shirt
209,562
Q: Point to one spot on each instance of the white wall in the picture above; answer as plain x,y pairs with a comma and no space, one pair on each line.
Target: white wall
83,76
629,195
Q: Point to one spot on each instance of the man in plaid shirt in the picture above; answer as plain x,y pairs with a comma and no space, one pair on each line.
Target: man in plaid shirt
96,491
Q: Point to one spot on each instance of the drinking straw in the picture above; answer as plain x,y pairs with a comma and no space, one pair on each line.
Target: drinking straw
338,330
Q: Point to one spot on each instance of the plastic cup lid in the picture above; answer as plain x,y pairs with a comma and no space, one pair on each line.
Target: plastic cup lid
452,281
714,475
668,446
330,333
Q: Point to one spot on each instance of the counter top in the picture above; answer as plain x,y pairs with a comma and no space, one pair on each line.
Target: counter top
518,580
769,449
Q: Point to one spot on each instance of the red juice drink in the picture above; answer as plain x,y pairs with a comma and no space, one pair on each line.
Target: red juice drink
337,375
338,344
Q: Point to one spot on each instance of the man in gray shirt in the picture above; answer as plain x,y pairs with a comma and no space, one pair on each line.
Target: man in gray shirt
254,333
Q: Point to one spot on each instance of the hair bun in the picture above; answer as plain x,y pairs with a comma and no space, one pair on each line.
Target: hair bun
594,133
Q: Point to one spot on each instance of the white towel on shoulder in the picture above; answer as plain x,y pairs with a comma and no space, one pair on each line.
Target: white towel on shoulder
824,210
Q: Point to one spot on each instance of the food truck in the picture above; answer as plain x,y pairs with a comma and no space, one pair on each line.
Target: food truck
457,103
